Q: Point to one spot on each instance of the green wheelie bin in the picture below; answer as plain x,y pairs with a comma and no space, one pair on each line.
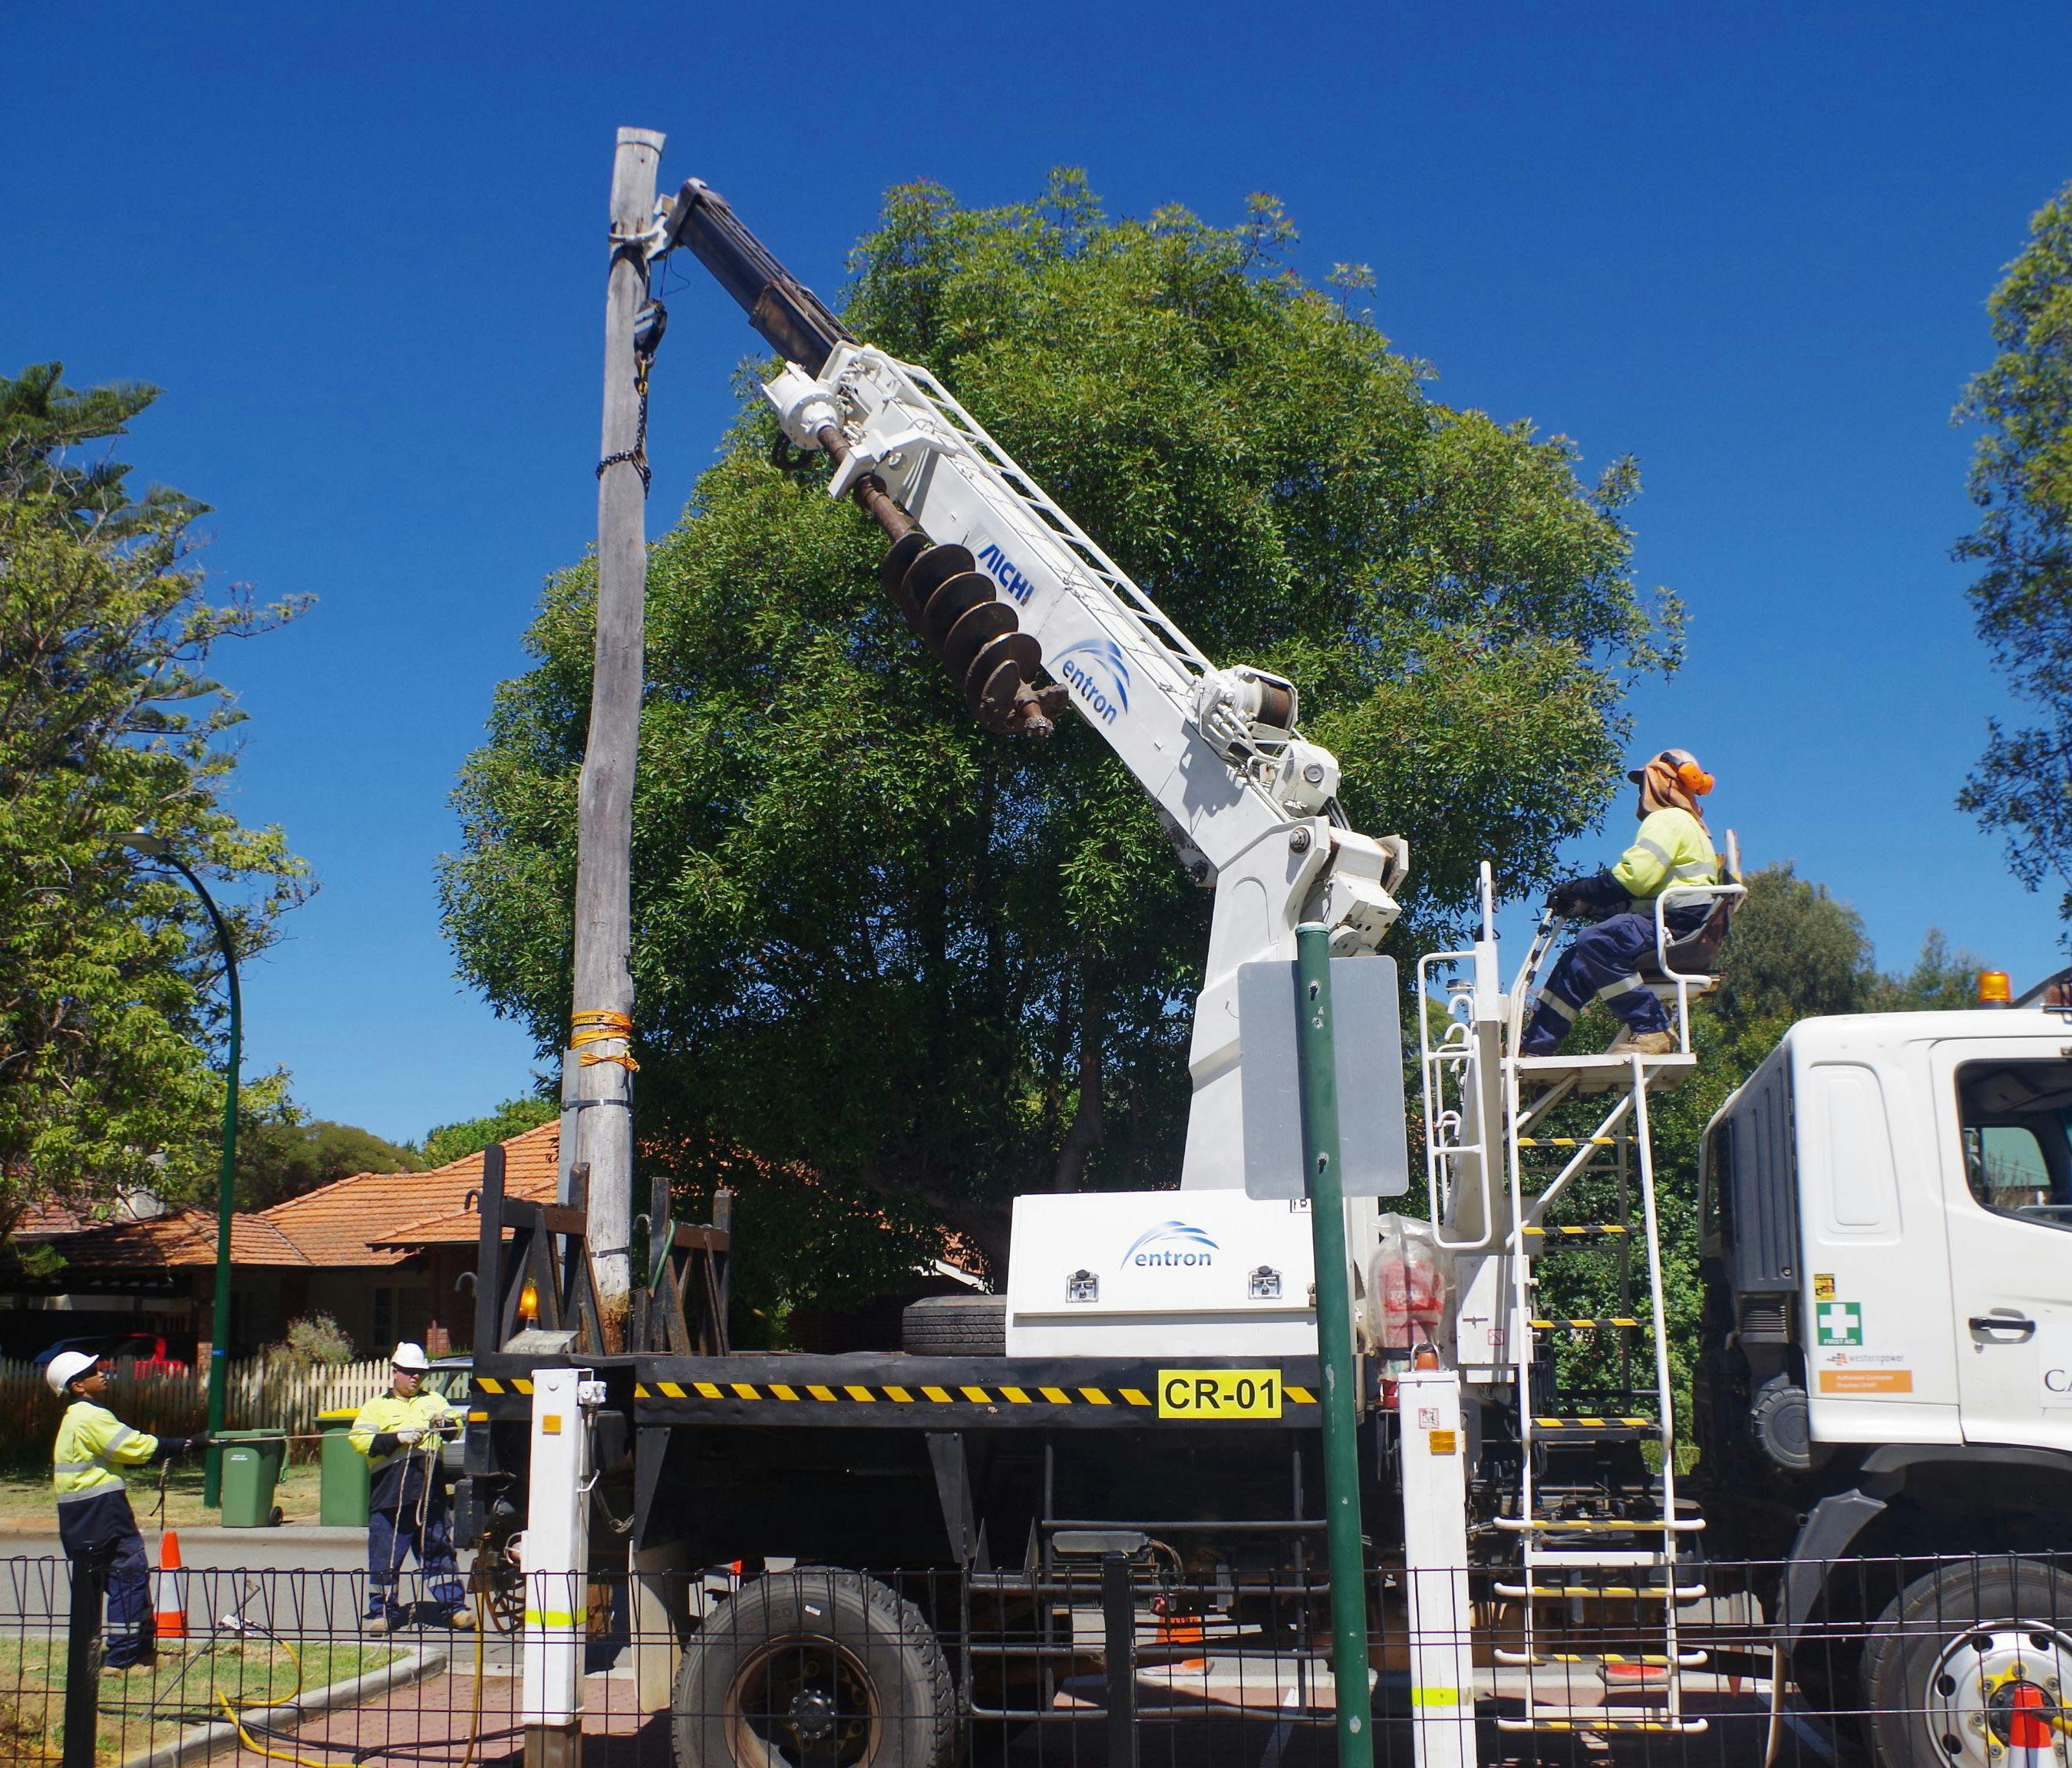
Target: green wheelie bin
251,1469
343,1472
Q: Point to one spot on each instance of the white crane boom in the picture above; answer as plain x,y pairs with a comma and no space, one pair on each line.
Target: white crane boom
1007,589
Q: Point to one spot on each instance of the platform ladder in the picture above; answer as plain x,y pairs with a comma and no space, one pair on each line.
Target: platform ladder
1563,1142
1591,1195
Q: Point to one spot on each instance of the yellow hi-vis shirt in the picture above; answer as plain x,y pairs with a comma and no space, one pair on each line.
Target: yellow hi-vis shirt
387,1413
93,1442
1672,847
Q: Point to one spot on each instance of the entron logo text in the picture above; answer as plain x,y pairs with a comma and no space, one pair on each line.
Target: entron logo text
1095,670
1170,1243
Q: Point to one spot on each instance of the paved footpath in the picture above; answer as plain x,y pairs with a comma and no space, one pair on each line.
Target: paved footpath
298,1565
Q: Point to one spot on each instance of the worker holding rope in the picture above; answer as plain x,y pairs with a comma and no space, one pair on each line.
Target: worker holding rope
400,1432
93,1501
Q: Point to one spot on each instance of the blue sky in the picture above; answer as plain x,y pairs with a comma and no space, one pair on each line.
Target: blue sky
362,249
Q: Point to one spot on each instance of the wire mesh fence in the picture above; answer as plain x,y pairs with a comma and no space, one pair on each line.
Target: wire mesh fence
1100,1662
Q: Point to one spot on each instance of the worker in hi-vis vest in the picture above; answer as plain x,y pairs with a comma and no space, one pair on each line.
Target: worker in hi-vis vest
400,1432
93,1504
1672,847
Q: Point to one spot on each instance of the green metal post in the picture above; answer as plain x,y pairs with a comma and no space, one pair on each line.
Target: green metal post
1316,1061
219,1348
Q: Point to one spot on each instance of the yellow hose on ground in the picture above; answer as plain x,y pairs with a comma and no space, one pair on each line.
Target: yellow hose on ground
235,1714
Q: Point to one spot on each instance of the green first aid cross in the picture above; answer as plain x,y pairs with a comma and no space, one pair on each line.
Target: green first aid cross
1840,1322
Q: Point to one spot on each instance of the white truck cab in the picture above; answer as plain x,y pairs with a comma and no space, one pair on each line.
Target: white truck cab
1887,1207
1884,1395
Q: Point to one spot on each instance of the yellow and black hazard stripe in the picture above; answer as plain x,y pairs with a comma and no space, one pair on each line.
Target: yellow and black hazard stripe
1591,1324
494,1384
1591,1423
878,1393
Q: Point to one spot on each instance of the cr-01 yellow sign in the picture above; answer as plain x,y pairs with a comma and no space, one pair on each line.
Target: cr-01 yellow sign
1218,1393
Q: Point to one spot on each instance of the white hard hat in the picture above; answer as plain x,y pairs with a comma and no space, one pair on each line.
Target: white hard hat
66,1366
410,1356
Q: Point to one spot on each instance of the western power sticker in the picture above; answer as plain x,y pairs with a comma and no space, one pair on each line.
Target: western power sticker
1823,1285
1839,1323
1220,1393
1863,1372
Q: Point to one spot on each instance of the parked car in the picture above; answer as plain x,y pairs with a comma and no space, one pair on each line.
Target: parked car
139,1353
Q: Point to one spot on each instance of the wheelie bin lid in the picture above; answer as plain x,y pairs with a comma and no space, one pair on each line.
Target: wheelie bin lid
251,1437
337,1415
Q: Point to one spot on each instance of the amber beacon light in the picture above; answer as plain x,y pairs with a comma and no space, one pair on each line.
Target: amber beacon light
1994,990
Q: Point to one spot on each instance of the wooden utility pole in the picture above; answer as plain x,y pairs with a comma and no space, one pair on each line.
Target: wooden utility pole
596,1070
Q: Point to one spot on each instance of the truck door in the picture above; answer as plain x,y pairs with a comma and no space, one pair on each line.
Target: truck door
2005,1110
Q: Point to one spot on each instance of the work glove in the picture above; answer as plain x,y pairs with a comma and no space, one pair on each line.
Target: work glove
1589,898
409,1434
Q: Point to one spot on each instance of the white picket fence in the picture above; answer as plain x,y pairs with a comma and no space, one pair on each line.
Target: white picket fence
255,1397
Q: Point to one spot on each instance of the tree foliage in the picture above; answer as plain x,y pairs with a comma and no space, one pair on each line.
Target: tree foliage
513,1118
284,1157
109,1007
934,968
2021,481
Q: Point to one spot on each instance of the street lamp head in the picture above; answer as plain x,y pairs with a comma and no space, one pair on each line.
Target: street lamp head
142,841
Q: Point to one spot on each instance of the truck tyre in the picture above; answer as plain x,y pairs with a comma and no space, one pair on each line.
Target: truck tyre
814,1669
956,1326
1959,1653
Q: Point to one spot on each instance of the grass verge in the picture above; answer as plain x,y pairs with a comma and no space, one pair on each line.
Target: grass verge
138,1712
26,1501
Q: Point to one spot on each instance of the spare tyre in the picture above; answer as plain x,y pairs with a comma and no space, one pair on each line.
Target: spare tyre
956,1326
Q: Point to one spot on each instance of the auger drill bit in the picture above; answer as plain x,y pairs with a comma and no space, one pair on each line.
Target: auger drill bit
957,611
977,636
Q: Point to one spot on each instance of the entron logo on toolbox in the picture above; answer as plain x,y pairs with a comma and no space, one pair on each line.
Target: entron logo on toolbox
1170,1243
1095,670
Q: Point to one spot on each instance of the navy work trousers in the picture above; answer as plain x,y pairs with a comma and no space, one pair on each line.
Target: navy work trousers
1604,963
391,1535
84,1523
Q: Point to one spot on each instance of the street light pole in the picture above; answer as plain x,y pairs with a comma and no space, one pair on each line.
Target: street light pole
153,847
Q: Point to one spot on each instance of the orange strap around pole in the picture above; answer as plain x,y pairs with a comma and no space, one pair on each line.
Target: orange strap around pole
594,1026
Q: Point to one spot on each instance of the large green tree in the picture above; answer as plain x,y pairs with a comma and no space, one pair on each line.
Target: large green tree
513,1118
2021,480
110,1014
287,1154
931,968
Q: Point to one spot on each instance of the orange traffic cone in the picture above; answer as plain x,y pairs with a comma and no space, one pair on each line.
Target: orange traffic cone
1182,1631
169,1590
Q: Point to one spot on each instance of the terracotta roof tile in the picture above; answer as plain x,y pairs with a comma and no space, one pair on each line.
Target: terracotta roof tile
186,1237
361,1220
39,1221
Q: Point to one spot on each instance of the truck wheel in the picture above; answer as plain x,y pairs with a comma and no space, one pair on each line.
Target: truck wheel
956,1326
1966,1658
814,1669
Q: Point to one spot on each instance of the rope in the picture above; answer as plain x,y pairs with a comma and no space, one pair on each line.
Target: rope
237,1626
595,1025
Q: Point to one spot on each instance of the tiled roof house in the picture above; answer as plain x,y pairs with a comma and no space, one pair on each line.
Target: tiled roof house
382,1253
